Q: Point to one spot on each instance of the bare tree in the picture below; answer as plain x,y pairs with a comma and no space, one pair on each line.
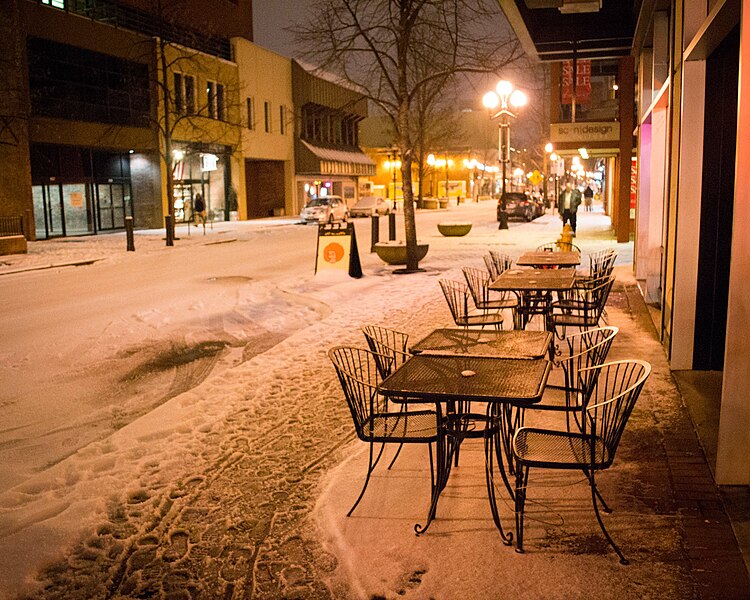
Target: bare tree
394,50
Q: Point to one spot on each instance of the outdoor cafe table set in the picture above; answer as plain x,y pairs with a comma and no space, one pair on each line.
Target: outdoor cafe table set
452,368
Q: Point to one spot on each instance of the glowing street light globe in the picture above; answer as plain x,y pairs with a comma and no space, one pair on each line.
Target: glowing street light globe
504,88
518,98
549,147
490,100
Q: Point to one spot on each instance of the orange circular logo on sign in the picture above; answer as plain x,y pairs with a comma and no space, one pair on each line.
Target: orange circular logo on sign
333,252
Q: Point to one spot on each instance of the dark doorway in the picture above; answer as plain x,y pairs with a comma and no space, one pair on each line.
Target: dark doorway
717,200
265,188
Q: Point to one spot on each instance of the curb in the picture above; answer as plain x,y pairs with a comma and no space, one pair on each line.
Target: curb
73,263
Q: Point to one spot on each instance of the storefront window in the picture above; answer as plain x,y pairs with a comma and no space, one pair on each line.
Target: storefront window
202,173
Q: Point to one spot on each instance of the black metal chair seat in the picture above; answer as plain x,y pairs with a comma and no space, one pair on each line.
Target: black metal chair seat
481,320
560,450
404,427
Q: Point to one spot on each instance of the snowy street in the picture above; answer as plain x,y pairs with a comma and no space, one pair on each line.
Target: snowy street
167,415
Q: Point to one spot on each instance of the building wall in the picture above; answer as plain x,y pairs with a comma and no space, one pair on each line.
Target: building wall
227,18
199,130
266,77
15,174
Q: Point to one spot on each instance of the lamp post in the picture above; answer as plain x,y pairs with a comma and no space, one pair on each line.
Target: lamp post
504,96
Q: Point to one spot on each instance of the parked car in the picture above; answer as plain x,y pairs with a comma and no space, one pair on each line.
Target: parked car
325,209
369,206
541,208
518,204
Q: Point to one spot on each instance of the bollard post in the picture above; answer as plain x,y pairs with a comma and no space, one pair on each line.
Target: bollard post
170,231
392,226
375,235
129,234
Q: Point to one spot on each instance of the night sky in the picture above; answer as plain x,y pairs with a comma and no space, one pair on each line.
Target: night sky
270,17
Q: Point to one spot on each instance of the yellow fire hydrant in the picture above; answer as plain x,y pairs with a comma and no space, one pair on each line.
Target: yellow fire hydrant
565,243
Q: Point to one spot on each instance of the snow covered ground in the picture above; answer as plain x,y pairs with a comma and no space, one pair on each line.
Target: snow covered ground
167,414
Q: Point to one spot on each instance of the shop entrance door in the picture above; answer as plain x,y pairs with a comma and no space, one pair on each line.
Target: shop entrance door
48,214
62,209
76,203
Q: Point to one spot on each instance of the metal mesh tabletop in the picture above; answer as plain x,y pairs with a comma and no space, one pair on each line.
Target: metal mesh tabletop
439,378
560,259
472,342
534,280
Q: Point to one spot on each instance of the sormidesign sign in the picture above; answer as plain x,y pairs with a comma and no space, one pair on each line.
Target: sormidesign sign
337,249
595,131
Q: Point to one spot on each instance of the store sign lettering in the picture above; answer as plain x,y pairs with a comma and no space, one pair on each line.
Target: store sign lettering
585,132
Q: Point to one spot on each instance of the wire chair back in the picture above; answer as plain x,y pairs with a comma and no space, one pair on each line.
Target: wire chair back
615,392
555,247
491,267
359,375
457,296
602,263
502,262
478,281
388,342
587,349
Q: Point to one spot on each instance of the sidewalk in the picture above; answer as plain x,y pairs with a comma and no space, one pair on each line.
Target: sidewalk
668,516
111,247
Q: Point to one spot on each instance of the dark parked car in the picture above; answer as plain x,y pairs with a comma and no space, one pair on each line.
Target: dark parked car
518,204
541,208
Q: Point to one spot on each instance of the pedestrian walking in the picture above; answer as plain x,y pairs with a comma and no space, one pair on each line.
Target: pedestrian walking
199,211
567,204
588,198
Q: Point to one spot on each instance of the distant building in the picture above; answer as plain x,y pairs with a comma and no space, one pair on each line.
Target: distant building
327,153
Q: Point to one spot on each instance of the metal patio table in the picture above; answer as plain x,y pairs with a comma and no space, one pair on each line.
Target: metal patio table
474,342
549,259
534,288
504,384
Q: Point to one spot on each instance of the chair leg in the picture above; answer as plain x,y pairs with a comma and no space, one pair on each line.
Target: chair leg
370,468
401,445
522,479
605,507
437,483
594,494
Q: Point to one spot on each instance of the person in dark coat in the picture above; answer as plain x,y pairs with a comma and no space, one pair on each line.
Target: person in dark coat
588,198
199,211
567,204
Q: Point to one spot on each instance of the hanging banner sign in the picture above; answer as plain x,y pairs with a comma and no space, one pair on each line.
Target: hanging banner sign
633,186
583,81
337,249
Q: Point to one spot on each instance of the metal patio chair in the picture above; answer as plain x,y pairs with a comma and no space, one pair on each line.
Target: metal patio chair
581,307
586,349
389,342
601,264
555,247
392,344
374,423
603,418
478,282
502,262
457,296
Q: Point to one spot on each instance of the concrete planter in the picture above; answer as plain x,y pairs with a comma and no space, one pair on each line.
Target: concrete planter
454,229
429,203
394,253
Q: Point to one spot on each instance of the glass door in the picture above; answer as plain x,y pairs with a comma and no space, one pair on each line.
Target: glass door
48,211
77,209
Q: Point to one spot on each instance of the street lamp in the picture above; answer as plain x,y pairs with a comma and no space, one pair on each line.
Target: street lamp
504,96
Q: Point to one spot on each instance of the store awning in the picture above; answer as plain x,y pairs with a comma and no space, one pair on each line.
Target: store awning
327,161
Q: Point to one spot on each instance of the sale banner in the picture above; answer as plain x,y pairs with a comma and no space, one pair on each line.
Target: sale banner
583,81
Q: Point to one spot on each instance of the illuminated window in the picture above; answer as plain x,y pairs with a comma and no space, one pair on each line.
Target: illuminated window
55,3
